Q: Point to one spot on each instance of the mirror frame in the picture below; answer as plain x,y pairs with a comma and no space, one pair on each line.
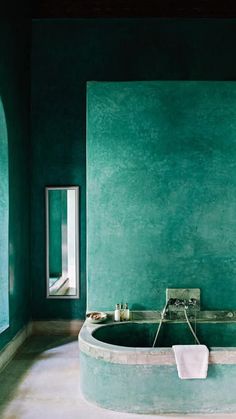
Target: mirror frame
76,189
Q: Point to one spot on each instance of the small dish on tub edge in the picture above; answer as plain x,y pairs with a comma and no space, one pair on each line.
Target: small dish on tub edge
96,316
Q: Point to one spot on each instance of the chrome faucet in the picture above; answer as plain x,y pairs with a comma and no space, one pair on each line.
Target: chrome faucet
192,302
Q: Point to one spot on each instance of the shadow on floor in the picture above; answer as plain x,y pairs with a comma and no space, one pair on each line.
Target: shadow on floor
30,370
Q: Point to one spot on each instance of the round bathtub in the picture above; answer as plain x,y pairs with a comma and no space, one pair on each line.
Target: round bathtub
121,371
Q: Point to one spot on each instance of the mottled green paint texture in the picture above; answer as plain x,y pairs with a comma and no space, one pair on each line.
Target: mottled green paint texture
161,182
55,232
66,53
4,222
14,92
156,388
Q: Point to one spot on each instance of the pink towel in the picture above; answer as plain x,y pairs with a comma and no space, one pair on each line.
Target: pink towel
191,360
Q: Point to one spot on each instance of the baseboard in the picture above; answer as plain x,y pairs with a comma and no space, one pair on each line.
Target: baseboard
56,327
7,353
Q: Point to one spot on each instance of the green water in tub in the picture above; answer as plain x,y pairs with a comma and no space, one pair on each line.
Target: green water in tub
142,334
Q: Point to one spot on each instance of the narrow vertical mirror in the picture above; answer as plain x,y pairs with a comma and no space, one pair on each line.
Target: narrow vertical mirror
62,242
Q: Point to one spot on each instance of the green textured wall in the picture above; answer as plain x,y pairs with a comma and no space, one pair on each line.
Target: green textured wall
4,222
161,185
14,92
68,53
55,233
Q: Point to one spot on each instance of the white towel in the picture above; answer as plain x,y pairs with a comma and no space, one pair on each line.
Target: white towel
191,360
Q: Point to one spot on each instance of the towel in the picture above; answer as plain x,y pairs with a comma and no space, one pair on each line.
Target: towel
191,360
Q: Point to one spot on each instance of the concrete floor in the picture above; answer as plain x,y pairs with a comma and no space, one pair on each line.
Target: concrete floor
42,382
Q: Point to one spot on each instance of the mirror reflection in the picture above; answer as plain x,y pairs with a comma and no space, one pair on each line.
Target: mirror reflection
62,242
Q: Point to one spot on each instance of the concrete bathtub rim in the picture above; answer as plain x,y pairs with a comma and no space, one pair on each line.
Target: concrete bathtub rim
141,356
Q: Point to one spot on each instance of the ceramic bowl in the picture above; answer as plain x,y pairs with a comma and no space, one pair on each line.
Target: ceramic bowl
96,316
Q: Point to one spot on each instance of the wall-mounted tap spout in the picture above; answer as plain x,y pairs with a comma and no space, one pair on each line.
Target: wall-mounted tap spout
180,305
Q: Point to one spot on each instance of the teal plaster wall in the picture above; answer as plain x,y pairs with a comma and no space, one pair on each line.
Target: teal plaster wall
4,222
14,92
161,184
55,233
68,53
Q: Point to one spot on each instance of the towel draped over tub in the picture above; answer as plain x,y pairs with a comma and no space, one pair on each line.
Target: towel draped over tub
191,361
